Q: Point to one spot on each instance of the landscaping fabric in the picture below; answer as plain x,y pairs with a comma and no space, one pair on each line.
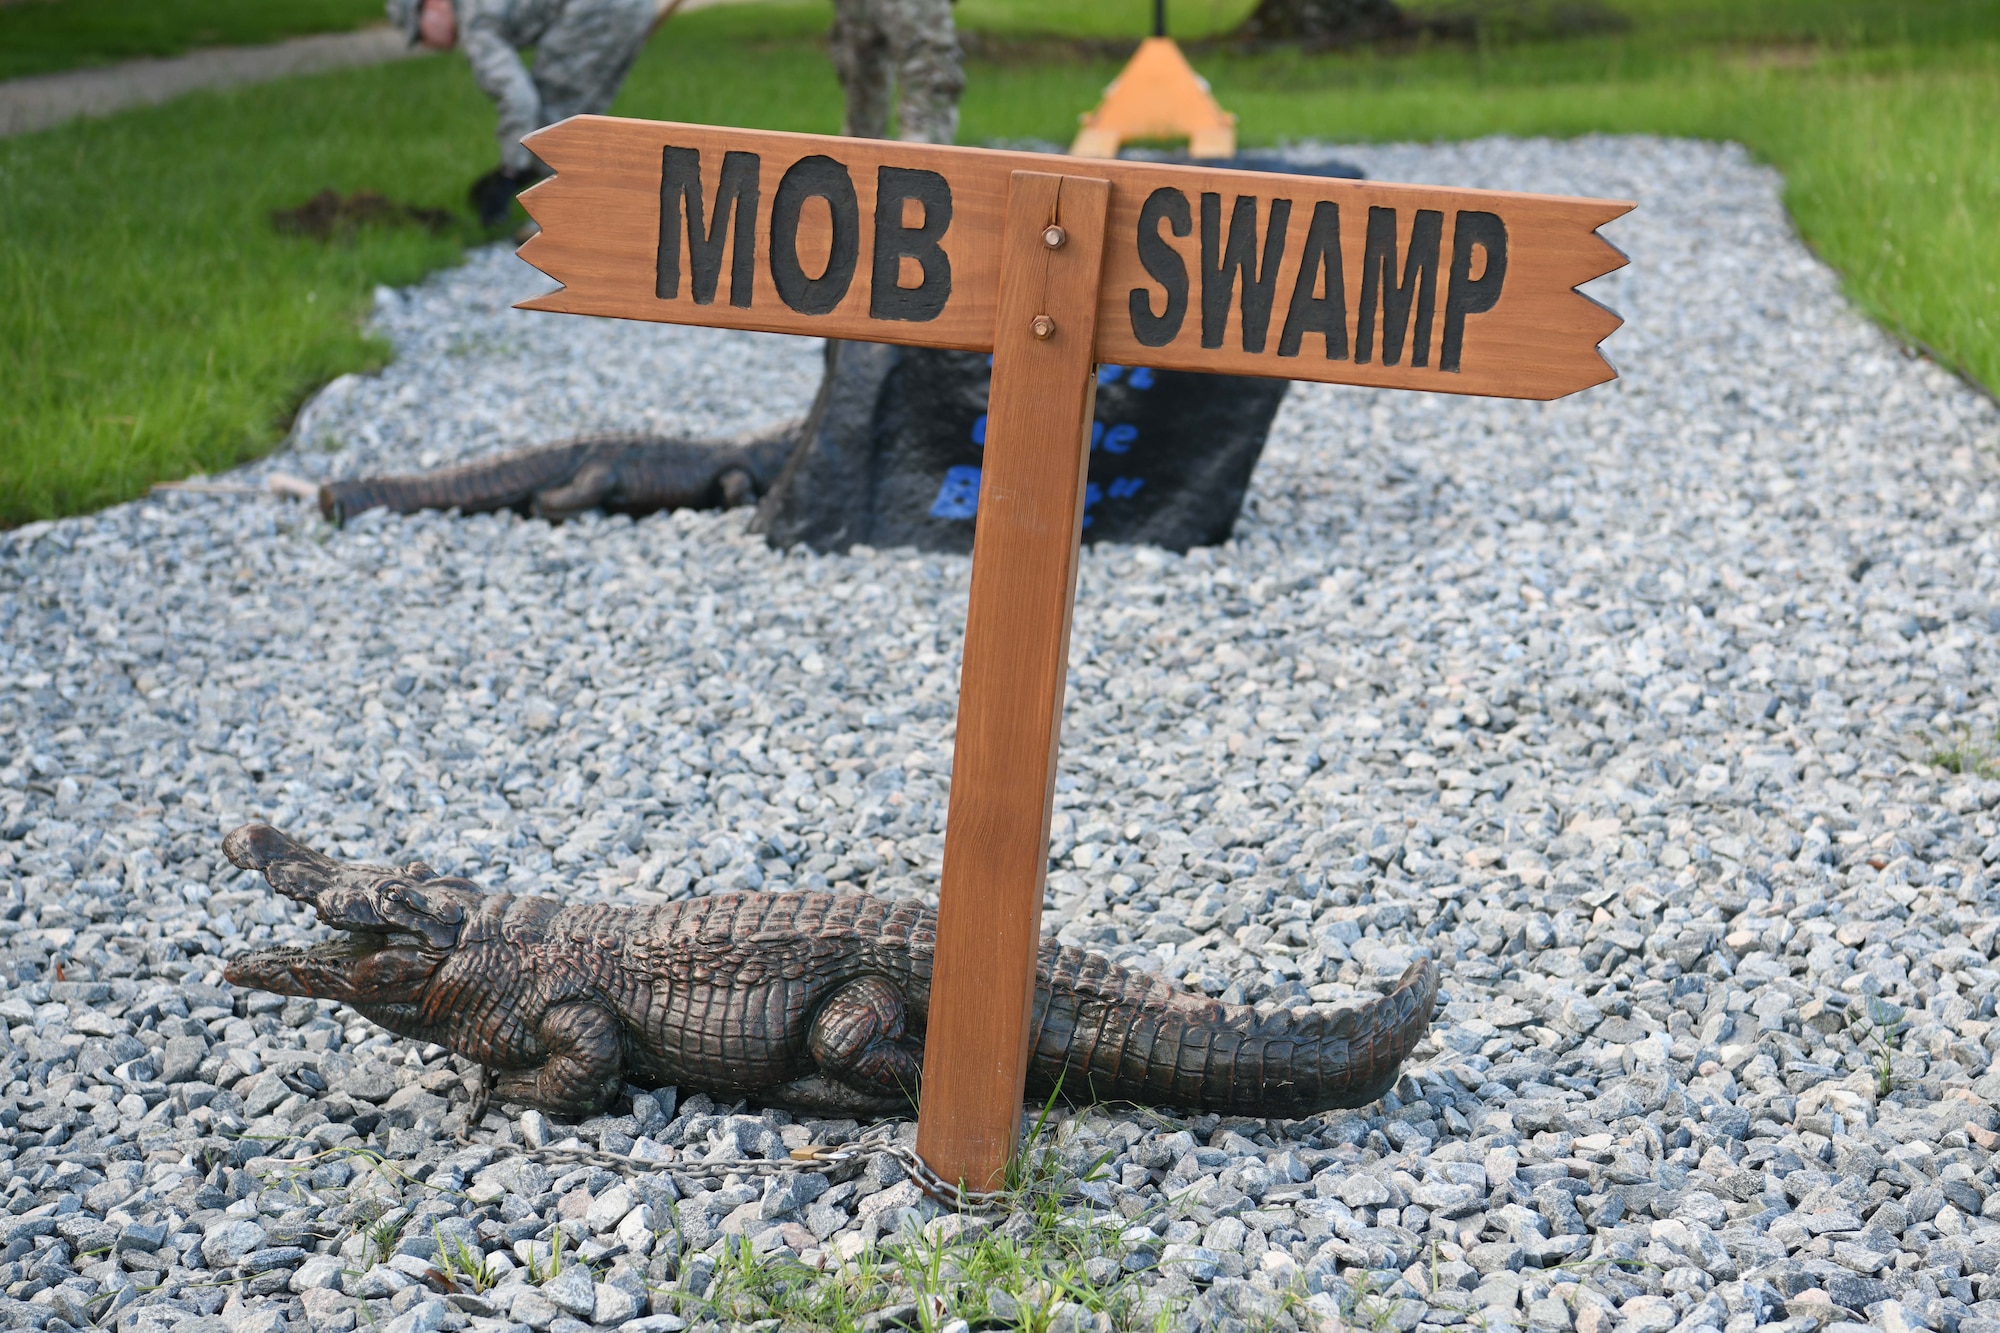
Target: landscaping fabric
892,454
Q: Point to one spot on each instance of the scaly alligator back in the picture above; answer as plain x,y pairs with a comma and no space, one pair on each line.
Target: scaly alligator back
1100,1032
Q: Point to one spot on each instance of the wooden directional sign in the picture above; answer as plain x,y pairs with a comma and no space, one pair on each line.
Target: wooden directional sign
1054,264
1400,286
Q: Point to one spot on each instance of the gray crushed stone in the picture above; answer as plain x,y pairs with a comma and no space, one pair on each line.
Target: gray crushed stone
1625,707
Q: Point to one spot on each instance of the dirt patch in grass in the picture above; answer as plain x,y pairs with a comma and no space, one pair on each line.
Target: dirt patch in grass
1778,55
329,216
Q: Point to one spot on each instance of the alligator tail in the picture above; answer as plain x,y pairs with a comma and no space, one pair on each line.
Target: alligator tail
635,473
507,482
1102,1033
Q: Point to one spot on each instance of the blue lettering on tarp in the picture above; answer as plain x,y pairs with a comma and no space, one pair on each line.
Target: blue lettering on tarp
1114,439
958,497
1121,488
1140,377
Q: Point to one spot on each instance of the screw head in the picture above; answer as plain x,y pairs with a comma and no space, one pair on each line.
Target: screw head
1053,236
1042,327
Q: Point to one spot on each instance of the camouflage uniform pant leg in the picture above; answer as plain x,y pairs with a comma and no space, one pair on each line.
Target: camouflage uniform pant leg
929,75
861,58
584,55
501,76
912,42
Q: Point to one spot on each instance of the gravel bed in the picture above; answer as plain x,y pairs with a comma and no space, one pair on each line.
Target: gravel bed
1629,708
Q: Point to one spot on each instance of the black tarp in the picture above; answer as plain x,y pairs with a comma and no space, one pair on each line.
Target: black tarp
890,454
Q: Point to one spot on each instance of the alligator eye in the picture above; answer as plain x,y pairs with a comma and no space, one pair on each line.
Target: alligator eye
421,904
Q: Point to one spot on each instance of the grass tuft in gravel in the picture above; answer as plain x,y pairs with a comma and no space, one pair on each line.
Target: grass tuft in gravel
1043,1257
1969,754
1877,1032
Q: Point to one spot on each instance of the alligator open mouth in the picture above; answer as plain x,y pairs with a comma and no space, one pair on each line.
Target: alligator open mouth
359,965
344,947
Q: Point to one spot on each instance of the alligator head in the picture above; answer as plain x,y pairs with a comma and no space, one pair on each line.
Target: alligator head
401,923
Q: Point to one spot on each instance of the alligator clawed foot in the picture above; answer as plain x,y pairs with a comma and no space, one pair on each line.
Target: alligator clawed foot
481,1100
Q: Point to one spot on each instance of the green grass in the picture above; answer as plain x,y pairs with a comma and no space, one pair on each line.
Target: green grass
151,325
41,36
1117,20
1888,153
151,322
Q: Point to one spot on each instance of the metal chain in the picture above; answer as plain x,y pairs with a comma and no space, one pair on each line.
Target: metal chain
952,1196
878,1141
817,1157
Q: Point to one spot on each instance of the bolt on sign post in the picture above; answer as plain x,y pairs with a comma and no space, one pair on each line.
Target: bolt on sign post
1053,265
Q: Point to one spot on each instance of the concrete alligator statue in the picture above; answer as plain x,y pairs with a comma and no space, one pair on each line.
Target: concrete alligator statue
629,474
811,1001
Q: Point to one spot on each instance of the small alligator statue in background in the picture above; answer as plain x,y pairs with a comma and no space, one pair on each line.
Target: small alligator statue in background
812,1001
629,474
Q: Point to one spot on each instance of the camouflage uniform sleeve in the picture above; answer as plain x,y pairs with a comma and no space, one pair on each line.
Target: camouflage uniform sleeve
501,76
402,15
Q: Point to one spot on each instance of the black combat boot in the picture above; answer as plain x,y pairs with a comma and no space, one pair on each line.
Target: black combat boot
493,194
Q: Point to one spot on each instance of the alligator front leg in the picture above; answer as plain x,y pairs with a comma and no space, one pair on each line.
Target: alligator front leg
857,1039
739,488
593,484
586,1064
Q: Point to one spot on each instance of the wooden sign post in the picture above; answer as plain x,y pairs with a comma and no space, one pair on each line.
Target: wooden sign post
1054,265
